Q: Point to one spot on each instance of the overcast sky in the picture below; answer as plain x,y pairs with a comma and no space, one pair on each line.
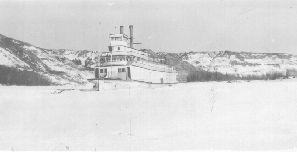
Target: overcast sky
160,25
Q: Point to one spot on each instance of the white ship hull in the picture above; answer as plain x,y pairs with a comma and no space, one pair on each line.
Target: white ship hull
150,76
136,73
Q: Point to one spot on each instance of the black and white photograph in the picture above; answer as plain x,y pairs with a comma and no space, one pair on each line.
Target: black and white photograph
148,75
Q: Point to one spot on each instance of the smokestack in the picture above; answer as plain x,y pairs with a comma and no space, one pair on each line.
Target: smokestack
131,36
121,29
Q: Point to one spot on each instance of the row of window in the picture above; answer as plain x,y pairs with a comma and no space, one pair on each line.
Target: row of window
107,59
103,60
103,70
119,39
116,39
119,70
113,48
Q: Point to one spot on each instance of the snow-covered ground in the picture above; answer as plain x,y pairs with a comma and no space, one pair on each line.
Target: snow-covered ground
257,115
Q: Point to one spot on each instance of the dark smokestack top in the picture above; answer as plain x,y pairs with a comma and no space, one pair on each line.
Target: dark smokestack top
121,29
131,36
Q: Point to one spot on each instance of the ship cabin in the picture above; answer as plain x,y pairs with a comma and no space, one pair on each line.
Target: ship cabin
116,64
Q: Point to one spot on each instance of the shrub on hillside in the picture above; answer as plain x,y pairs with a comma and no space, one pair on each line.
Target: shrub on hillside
76,61
202,75
291,72
13,76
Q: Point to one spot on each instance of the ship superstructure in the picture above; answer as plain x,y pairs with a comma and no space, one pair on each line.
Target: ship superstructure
123,62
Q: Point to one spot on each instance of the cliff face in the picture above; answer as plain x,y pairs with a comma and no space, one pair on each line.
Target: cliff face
70,67
242,63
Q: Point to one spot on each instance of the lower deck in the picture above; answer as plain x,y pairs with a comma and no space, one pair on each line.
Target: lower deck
134,73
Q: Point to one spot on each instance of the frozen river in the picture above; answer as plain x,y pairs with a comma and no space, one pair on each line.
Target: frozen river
260,115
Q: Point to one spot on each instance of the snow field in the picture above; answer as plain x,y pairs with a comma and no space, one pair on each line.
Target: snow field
260,115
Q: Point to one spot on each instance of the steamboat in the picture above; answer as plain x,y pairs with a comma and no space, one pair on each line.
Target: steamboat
124,66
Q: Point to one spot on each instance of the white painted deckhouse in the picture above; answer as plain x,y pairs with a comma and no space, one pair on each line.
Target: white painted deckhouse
123,62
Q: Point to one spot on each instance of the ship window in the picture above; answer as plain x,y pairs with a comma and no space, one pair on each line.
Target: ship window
101,70
119,69
118,38
118,48
105,70
123,70
102,60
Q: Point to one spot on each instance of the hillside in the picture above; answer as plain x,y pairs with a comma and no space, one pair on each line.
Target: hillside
72,67
54,65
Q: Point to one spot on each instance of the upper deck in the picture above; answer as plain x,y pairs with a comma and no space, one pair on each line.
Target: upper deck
118,40
121,52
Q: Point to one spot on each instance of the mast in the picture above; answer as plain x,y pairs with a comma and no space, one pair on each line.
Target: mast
98,52
131,36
